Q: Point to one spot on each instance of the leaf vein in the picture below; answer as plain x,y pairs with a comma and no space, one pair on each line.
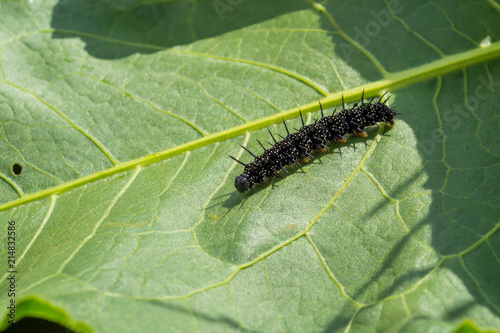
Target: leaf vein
99,222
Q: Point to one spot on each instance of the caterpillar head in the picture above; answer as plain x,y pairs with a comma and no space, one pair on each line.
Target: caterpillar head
242,183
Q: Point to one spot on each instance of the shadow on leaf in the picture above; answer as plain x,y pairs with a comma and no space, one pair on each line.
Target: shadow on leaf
112,31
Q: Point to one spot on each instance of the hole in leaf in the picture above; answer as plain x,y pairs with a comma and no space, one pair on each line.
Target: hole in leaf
17,169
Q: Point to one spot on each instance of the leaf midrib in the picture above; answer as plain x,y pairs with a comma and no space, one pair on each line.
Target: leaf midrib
391,82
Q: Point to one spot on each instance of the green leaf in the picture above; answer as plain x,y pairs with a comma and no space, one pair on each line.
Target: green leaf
121,115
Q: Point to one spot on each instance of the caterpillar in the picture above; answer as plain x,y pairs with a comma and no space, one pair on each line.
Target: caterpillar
298,146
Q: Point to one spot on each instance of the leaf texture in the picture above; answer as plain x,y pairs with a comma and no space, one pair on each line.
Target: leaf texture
122,114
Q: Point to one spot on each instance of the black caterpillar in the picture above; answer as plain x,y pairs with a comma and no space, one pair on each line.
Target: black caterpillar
298,145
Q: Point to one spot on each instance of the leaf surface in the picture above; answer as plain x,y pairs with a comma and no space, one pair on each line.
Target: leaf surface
122,114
